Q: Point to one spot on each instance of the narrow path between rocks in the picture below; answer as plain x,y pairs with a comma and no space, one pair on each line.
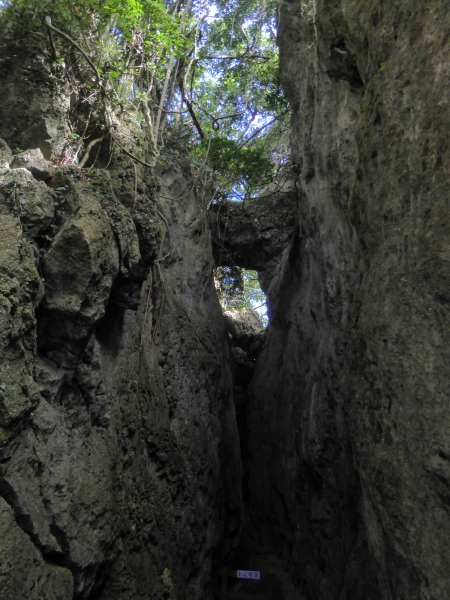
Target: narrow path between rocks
284,588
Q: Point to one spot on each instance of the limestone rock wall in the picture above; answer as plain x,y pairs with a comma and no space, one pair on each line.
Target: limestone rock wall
400,383
347,458
119,453
253,234
120,449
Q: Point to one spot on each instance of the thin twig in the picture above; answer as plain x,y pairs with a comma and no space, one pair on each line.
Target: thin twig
111,147
174,7
188,103
168,239
247,127
172,112
258,131
164,219
216,119
230,57
52,44
148,119
163,96
158,260
88,120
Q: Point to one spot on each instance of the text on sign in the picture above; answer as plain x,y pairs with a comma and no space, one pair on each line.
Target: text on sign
248,575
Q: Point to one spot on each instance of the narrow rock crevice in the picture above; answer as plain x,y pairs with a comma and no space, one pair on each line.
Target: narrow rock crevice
147,439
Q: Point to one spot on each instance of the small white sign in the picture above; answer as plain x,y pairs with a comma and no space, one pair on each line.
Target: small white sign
248,575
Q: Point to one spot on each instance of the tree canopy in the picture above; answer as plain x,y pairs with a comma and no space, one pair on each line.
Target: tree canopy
206,70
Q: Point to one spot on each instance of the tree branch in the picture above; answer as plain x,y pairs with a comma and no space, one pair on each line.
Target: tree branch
258,131
215,120
88,150
231,57
48,22
198,127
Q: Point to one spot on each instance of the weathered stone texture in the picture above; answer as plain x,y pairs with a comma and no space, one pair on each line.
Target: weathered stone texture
348,421
253,234
35,580
400,368
33,103
120,461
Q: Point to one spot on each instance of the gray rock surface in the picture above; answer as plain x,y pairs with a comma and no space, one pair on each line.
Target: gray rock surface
5,155
28,199
243,325
347,442
253,234
119,452
33,103
34,161
120,443
36,579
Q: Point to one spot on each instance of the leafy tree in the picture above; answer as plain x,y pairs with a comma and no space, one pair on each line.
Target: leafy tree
206,70
235,83
239,288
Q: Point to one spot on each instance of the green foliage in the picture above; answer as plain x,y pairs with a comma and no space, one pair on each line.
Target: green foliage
123,19
239,289
235,78
207,71
113,55
248,165
230,282
218,59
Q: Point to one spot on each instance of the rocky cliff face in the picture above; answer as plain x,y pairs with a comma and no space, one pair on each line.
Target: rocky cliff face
120,447
347,440
119,454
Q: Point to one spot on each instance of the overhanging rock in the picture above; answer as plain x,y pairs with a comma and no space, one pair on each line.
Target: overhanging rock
253,234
